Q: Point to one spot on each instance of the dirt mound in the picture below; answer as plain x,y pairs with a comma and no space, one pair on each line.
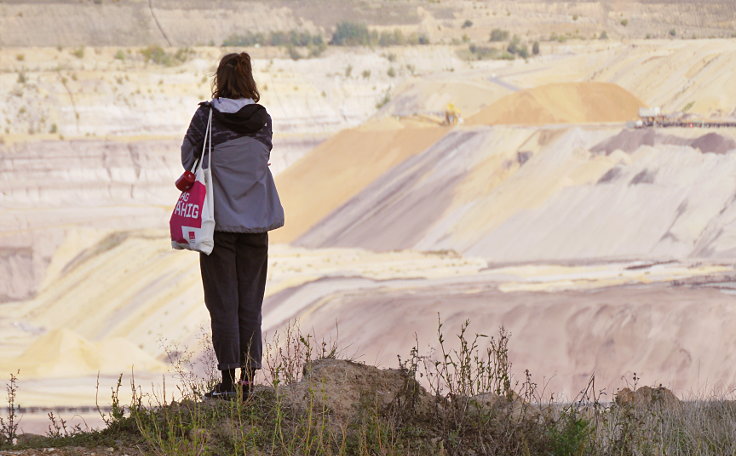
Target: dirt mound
64,353
342,167
713,143
572,102
347,388
630,140
627,141
647,397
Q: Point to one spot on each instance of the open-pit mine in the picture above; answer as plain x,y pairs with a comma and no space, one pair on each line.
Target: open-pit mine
604,249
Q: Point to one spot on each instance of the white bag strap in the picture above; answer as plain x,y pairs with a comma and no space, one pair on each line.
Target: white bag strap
207,136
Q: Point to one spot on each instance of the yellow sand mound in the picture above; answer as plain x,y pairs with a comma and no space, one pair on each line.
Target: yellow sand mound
571,102
341,167
64,353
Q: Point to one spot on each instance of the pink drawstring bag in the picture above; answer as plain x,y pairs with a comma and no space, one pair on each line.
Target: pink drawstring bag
192,223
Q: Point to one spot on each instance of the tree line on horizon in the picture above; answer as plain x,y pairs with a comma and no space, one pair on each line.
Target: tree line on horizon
346,34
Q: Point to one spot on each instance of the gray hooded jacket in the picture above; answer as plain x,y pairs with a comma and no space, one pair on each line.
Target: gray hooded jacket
246,200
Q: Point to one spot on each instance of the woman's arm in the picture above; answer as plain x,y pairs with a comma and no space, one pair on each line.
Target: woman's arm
191,147
265,134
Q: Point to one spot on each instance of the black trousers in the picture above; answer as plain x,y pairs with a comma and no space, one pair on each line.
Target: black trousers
234,279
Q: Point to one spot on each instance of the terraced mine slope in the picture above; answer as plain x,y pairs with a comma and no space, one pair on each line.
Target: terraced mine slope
604,249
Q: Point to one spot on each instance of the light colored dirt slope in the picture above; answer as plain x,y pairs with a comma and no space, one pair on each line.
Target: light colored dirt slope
655,330
658,202
431,96
498,193
673,74
106,91
63,353
464,185
343,166
583,102
691,76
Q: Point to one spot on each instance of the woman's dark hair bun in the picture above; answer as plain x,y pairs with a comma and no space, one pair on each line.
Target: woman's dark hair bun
234,78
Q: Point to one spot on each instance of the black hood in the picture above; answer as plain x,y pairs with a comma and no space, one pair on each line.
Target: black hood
247,120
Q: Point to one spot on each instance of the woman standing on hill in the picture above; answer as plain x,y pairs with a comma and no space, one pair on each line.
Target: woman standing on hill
247,206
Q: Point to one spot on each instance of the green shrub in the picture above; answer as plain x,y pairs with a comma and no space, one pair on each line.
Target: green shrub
499,35
294,54
9,424
294,38
482,52
395,38
516,47
159,56
571,436
384,101
155,54
351,34
315,50
355,34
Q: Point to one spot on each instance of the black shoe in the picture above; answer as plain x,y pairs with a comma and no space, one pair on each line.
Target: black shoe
218,393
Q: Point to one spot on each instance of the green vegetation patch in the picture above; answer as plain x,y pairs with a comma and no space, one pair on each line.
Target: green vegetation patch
356,34
158,55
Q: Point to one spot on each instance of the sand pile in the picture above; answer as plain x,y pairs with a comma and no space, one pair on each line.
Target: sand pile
341,167
345,387
627,141
714,143
573,102
630,140
64,353
646,396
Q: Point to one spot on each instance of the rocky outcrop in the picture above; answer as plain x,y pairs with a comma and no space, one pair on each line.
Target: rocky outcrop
647,397
348,389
